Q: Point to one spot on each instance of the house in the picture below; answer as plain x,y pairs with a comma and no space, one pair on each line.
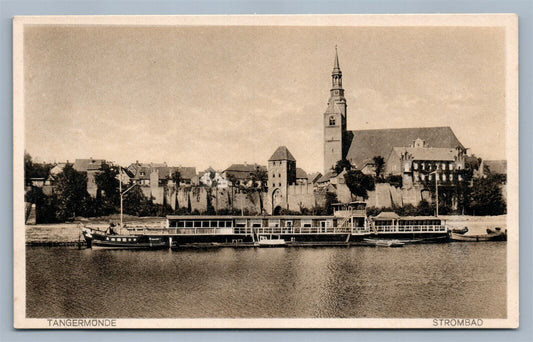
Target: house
142,174
419,163
314,177
57,169
243,174
141,171
212,178
91,167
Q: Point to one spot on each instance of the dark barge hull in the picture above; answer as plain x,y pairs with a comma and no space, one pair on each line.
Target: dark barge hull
235,240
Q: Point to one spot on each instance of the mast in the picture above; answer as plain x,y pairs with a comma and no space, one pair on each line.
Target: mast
120,191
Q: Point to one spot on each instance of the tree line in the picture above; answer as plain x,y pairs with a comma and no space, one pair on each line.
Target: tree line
70,199
470,195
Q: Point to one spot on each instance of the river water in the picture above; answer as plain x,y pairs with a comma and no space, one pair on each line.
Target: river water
417,281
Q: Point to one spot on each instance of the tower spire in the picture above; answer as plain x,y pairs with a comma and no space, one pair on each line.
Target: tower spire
336,77
336,67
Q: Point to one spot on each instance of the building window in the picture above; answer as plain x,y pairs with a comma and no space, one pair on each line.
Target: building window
279,175
273,175
332,121
273,184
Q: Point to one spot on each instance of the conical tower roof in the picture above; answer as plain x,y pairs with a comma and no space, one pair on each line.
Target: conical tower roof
282,153
336,67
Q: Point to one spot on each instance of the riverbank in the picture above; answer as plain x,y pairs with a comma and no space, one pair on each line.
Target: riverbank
68,234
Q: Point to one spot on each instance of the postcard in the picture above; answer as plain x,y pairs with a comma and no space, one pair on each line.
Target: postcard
266,171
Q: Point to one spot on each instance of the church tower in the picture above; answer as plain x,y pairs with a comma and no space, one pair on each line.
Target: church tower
335,120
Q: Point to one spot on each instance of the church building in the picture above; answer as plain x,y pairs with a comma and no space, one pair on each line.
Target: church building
359,147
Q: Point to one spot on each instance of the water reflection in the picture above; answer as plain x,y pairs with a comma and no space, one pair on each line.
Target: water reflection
443,280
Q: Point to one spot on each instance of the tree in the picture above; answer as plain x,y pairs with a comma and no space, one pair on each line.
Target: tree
72,193
486,197
359,183
260,178
176,178
34,170
472,163
379,165
331,198
342,165
232,179
108,197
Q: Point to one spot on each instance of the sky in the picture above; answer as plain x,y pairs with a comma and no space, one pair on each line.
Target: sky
217,95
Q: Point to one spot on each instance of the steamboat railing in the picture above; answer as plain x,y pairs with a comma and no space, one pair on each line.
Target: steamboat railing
409,228
248,231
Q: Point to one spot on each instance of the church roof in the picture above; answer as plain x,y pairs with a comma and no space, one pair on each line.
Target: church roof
379,142
282,153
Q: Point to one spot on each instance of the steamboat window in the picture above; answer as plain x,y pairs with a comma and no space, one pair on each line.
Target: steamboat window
188,224
205,224
213,224
180,224
197,224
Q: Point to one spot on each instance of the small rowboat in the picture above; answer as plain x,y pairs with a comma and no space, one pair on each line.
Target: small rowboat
384,243
492,235
268,241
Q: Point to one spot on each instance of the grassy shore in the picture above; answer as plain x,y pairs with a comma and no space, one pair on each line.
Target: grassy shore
61,233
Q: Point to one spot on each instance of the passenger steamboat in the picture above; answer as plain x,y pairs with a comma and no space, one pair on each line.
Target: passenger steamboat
348,225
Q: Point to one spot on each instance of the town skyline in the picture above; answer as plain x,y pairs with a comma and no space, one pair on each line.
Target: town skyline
216,96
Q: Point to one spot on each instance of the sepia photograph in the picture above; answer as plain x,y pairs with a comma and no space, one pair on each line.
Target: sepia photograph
256,171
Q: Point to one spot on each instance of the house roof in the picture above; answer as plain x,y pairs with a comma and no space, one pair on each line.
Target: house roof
300,173
282,153
367,144
427,153
186,172
495,166
58,168
314,177
143,171
387,215
326,177
244,168
84,165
